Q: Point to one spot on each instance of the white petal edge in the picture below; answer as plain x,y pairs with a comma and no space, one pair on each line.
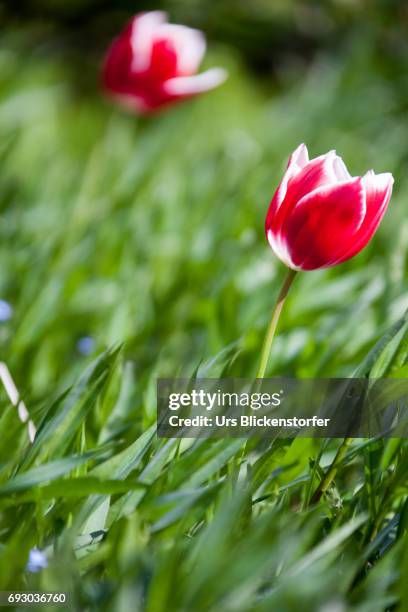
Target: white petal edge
190,46
299,157
334,167
297,161
377,185
184,86
340,169
144,28
380,182
280,249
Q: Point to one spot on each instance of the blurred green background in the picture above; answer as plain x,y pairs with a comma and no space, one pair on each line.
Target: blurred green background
149,232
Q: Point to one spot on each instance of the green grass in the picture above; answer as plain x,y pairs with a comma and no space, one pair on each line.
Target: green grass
148,236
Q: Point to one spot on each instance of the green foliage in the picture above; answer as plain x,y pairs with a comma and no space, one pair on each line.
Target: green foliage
150,233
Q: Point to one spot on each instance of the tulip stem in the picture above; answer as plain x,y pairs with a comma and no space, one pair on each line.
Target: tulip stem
266,349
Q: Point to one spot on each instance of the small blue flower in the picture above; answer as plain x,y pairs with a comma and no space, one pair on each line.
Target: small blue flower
6,311
36,560
86,345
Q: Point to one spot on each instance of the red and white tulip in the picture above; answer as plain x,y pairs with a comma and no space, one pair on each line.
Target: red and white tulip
153,63
320,216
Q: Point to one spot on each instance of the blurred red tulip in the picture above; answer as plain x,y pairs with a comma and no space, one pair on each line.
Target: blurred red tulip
321,216
152,63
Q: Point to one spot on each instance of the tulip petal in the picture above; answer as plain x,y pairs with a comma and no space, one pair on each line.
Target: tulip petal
378,188
280,248
189,45
143,32
163,64
340,169
115,72
316,173
323,225
297,161
190,85
300,157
